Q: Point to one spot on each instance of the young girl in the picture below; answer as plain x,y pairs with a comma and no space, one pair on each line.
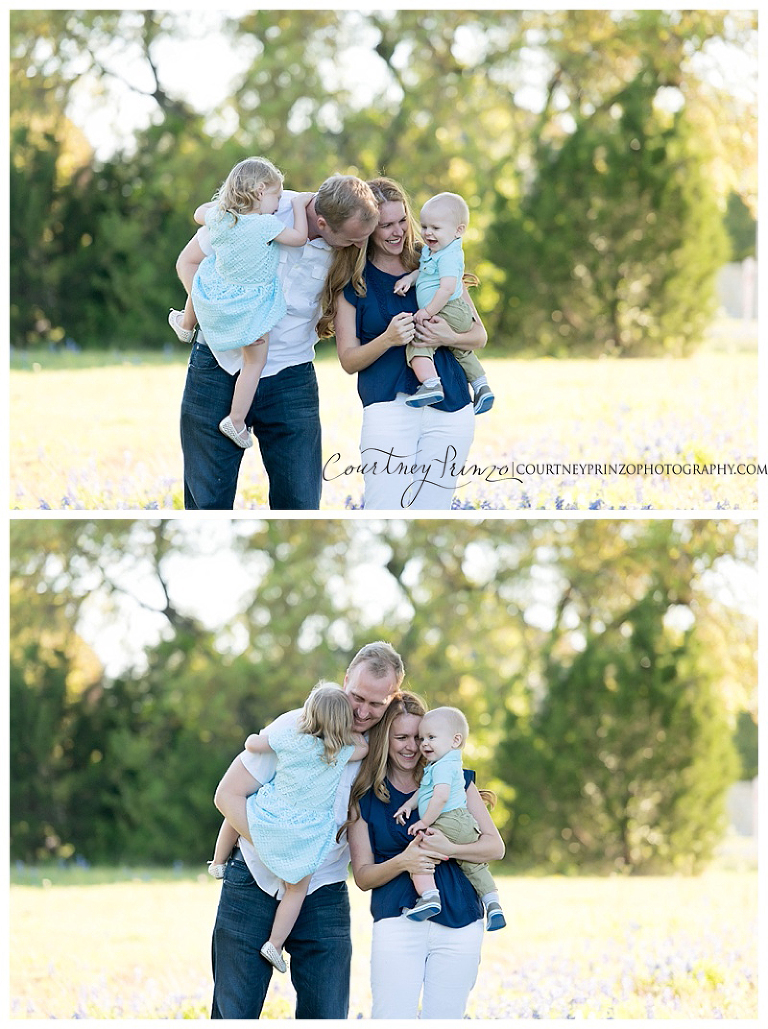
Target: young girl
291,818
235,294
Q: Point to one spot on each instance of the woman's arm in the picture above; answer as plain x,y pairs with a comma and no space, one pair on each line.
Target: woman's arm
235,787
489,846
417,858
353,356
437,333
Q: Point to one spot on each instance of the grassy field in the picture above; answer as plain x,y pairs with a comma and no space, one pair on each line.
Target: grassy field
105,437
136,945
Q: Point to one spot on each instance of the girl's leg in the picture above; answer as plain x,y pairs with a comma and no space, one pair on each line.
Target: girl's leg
288,911
254,359
188,318
225,843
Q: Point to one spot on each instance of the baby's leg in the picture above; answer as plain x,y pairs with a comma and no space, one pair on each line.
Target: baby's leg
254,359
423,882
288,911
424,368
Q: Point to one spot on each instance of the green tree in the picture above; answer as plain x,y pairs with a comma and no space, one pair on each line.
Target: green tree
488,615
623,754
627,761
741,226
618,243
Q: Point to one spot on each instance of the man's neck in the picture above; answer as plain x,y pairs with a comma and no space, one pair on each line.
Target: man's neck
313,230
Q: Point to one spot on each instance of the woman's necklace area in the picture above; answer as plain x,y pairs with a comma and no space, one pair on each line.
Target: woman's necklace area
388,265
402,787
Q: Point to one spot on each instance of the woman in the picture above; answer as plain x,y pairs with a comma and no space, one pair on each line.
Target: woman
411,456
437,959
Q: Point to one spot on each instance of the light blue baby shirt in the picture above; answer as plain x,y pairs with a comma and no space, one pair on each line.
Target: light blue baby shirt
447,262
448,771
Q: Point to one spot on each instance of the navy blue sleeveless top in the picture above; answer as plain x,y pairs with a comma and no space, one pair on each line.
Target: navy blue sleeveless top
461,905
389,374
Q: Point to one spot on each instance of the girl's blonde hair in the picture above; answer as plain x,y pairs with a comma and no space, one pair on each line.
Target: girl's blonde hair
349,264
327,714
241,191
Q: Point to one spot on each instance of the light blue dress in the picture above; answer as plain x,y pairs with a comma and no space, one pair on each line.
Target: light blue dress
236,293
291,818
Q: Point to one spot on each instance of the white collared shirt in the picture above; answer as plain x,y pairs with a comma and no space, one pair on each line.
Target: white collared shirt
334,868
302,272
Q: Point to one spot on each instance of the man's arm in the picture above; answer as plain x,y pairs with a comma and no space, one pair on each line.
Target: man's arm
188,262
231,794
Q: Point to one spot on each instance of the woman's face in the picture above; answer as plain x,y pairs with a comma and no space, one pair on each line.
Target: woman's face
404,741
389,235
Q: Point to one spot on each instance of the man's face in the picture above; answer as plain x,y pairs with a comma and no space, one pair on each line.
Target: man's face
368,695
354,232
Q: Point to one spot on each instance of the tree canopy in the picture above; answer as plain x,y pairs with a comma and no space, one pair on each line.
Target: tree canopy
604,668
508,108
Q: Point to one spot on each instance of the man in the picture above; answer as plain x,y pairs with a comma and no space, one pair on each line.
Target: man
285,414
320,943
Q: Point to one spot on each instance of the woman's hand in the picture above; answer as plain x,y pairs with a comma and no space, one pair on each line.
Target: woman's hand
435,332
401,330
419,859
437,842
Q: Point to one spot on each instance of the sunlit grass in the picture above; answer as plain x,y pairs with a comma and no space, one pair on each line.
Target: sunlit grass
106,438
623,948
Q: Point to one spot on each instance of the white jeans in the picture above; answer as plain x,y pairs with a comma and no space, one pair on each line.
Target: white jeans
408,955
411,456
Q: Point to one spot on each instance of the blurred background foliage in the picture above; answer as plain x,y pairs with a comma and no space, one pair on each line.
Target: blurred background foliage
607,669
608,161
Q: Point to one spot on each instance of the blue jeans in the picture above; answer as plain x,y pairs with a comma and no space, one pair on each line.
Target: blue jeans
285,417
320,946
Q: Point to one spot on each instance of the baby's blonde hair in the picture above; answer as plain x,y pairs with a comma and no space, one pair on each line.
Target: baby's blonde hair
454,203
455,720
327,714
240,191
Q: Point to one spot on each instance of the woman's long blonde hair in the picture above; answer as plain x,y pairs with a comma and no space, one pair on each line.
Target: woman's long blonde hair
373,770
327,714
349,264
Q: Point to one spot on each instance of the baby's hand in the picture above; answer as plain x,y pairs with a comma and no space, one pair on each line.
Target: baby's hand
403,285
417,827
421,316
402,814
